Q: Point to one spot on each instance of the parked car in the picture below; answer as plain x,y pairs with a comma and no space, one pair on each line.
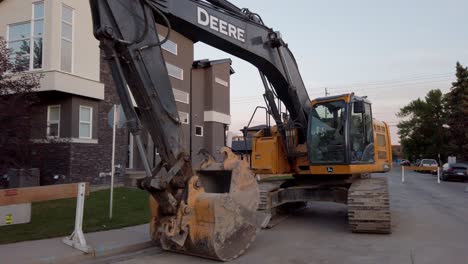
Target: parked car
405,162
452,171
428,163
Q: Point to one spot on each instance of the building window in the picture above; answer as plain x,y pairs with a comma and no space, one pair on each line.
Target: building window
175,71
25,41
86,122
221,81
199,131
184,117
53,121
169,45
181,96
66,51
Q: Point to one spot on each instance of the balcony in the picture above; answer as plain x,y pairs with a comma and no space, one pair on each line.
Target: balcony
72,84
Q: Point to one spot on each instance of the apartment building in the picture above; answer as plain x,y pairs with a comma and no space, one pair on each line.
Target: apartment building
55,38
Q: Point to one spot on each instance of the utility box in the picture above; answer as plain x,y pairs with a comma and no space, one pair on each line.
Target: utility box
15,214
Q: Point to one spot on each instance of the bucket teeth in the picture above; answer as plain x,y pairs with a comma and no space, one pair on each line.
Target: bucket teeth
218,218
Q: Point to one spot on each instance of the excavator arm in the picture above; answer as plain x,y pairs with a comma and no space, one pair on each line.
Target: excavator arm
242,33
210,212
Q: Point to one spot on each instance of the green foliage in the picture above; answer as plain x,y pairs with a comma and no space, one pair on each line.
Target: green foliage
458,114
17,97
57,218
437,124
422,132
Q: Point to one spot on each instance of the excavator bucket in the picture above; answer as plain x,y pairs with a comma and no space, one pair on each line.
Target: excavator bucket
219,218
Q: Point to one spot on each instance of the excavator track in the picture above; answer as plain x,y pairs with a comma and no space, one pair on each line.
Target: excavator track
265,187
271,217
369,206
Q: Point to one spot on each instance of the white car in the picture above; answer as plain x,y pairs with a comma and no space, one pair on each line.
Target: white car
429,163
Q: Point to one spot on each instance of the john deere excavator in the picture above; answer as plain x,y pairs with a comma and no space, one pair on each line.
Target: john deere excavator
327,146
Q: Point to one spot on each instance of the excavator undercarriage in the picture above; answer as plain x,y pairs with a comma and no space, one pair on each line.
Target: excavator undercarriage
367,200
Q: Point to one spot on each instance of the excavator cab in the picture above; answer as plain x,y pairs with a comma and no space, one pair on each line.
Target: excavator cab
340,131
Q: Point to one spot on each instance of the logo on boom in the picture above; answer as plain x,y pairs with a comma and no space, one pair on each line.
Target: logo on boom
219,25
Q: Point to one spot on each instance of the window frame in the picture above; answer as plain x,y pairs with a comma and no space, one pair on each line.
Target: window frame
164,46
31,37
187,101
181,70
188,117
313,130
8,40
221,82
90,122
367,133
202,131
54,121
71,41
34,19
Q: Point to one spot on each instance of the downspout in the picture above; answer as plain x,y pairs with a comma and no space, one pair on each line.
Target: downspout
191,113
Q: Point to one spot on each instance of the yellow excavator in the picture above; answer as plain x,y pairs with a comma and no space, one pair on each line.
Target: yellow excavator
344,146
318,150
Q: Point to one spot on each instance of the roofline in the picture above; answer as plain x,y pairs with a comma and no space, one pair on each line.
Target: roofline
205,63
352,97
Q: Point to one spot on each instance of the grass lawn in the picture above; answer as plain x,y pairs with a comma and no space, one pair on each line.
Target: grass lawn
57,218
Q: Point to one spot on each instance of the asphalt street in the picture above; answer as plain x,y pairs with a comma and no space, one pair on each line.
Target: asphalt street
430,225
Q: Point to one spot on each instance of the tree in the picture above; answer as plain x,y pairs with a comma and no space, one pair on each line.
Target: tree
422,133
458,114
17,97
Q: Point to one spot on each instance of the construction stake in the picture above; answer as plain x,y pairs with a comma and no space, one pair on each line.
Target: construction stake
402,173
77,239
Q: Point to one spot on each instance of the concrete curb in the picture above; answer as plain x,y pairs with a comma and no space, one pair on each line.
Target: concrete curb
99,251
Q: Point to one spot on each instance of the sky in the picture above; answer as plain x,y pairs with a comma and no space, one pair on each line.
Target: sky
391,51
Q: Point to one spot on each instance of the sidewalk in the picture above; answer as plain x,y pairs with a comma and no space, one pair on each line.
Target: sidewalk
51,251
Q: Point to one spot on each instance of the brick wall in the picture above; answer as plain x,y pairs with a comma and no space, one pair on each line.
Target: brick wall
88,160
52,159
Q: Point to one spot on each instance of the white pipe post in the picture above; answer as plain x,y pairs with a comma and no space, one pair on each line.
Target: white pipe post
438,175
402,173
77,239
112,163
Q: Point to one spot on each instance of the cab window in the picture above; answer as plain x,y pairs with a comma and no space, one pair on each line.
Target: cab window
361,135
327,132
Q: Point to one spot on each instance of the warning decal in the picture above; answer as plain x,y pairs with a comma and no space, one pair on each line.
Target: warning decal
9,219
